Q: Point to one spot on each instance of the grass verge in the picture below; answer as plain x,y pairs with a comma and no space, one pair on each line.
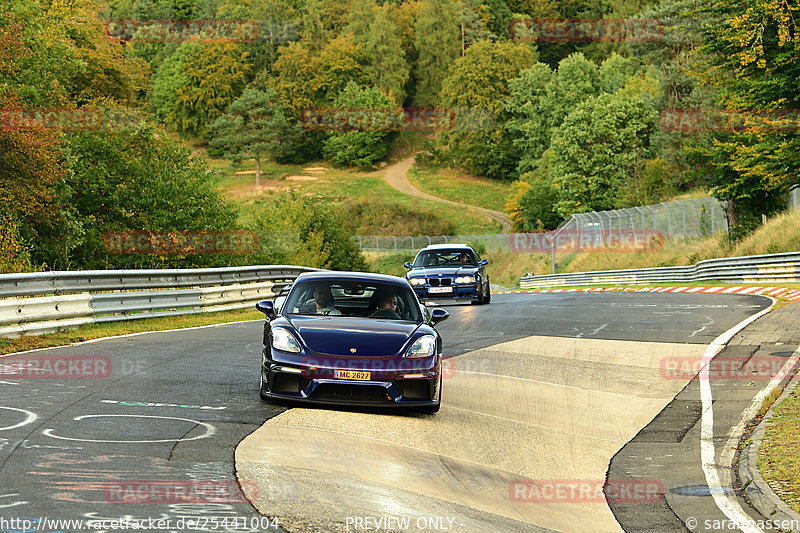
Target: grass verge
779,454
461,188
97,331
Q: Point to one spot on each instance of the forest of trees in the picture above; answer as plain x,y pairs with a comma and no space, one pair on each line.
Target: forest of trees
577,125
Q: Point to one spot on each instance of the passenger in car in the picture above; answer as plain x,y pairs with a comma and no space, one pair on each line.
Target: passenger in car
387,306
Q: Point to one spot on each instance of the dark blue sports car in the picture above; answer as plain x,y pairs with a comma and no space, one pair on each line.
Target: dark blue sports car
352,338
452,272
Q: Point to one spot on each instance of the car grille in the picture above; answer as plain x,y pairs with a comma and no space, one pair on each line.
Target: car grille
440,282
352,393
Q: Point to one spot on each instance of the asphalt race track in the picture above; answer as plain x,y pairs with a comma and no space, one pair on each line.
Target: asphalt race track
542,387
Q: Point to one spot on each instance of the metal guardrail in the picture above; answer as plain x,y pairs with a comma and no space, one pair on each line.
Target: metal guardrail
783,267
41,302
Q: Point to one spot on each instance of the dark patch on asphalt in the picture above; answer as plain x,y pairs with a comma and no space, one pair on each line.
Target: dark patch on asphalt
671,424
697,490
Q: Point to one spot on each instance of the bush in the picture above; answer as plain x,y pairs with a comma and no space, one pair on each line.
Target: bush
140,180
305,231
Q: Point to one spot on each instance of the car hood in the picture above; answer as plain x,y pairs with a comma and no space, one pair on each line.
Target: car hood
332,335
443,271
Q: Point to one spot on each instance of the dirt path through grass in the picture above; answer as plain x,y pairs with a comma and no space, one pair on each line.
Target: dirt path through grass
397,176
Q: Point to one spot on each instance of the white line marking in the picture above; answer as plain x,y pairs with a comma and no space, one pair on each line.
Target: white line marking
726,502
30,418
210,430
13,354
7,505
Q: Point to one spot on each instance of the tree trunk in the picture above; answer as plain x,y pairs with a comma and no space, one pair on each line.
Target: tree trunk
731,214
258,172
462,36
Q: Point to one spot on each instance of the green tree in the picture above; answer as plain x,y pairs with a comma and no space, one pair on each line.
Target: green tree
197,83
294,71
59,56
615,72
599,150
438,43
252,128
29,174
141,180
385,63
479,83
336,66
364,146
576,81
538,204
528,126
499,18
752,57
474,21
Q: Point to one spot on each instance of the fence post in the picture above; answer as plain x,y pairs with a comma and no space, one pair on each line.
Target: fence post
683,211
713,212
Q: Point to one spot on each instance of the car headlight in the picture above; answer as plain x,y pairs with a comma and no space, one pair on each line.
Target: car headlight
417,281
465,279
284,341
425,346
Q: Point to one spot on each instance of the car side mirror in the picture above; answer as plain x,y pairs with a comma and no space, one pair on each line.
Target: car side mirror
439,315
407,265
483,262
267,307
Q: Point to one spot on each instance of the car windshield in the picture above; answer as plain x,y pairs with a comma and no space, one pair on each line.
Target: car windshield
362,299
445,257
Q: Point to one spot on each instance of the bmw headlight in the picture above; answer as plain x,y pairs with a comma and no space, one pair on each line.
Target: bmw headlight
417,281
425,346
465,279
284,341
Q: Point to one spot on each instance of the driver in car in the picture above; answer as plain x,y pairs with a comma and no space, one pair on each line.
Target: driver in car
323,299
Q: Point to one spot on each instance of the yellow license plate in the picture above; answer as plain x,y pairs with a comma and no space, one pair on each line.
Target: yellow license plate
352,374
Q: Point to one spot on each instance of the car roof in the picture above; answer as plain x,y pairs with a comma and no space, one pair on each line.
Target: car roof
333,275
440,246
